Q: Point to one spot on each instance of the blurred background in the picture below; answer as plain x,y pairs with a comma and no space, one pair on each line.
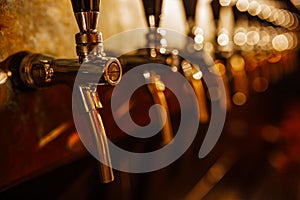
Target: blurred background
255,47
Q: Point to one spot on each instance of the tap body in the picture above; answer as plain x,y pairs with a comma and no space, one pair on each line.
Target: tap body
39,71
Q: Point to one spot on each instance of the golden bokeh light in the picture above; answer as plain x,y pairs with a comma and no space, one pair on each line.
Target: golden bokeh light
254,8
225,2
253,37
223,39
242,5
240,38
239,99
280,42
237,63
260,84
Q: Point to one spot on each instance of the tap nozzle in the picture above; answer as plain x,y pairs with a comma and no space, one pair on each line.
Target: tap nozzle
152,11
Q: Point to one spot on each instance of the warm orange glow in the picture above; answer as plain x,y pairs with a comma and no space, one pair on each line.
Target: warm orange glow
260,84
278,160
159,85
197,75
221,69
296,3
270,133
237,63
239,98
275,58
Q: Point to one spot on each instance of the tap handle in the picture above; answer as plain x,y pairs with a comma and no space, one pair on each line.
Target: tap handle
152,11
190,13
85,5
190,9
87,16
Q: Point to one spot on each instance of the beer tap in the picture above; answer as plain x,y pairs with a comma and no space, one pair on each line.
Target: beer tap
192,73
153,12
190,11
155,85
31,70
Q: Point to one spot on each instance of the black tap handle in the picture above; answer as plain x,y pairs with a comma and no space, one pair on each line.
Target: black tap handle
153,7
85,5
190,9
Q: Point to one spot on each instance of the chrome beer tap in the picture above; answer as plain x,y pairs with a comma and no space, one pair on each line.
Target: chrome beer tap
30,70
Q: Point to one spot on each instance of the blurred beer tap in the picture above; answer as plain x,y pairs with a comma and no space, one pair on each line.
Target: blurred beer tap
153,11
190,12
190,71
157,88
155,53
30,70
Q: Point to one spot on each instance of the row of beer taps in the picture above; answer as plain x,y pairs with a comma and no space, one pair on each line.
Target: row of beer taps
30,70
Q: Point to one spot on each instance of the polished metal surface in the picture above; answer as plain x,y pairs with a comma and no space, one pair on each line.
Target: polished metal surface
251,56
152,10
87,21
29,70
91,103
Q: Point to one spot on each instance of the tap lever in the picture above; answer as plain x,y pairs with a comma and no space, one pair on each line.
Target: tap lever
85,6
